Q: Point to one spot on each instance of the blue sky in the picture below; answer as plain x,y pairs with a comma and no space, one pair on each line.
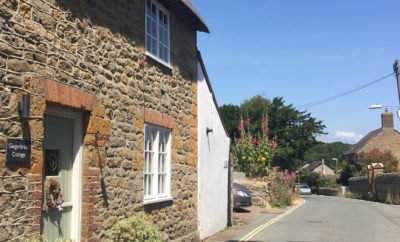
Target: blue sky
305,51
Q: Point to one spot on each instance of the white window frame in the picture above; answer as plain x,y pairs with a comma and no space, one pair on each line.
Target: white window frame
153,170
156,55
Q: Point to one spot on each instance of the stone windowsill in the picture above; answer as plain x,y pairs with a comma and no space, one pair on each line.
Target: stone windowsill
155,58
157,200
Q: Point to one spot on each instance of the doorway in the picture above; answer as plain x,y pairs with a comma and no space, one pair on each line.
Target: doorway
62,148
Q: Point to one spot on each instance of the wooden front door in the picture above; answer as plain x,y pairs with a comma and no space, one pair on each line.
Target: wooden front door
58,165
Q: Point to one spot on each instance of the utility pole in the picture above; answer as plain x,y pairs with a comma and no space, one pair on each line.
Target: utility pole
396,69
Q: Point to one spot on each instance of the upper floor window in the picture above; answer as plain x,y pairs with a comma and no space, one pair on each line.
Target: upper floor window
157,32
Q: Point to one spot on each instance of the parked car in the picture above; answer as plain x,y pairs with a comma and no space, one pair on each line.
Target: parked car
304,189
241,196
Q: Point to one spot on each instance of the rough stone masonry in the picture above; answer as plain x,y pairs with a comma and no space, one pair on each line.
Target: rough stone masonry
94,51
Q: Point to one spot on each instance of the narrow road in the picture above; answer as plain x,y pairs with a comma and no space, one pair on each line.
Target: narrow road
336,219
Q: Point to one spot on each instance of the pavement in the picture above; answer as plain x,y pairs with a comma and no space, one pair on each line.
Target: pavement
245,220
320,218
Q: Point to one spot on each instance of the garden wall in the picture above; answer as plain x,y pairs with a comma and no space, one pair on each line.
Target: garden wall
359,185
385,184
326,191
260,189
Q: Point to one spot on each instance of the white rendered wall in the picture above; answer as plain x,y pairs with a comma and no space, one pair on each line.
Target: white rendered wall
212,164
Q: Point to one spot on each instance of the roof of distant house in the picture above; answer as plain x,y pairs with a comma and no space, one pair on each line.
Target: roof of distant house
315,164
355,148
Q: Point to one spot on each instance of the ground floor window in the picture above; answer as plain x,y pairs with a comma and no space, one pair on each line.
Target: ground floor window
157,163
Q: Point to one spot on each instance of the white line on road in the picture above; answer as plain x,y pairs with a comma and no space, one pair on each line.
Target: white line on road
271,222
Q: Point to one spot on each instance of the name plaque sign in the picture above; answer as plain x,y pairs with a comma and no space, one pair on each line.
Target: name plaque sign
18,151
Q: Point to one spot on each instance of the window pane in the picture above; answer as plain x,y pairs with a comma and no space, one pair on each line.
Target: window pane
161,53
159,185
165,50
160,16
166,55
148,7
153,11
166,20
154,28
154,46
146,162
150,163
160,34
163,163
166,37
149,186
148,29
159,163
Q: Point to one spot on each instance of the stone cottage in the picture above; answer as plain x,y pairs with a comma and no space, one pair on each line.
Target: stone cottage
99,105
385,138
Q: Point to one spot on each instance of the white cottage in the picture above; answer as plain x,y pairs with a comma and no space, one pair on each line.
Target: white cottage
213,160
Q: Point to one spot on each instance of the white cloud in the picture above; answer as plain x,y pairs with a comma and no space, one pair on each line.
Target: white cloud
343,136
348,136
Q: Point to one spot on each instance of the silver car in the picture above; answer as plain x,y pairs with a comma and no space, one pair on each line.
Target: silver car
304,189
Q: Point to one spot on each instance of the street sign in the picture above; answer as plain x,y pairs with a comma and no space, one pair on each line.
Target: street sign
18,151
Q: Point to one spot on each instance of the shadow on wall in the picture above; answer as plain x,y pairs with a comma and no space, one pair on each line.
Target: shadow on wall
148,208
117,17
124,18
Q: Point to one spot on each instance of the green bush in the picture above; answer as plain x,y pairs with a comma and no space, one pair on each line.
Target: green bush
35,238
328,183
39,238
136,229
281,195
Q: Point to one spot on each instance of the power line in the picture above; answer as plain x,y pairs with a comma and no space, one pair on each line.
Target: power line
321,101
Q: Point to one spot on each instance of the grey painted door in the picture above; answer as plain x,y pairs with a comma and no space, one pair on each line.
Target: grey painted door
58,164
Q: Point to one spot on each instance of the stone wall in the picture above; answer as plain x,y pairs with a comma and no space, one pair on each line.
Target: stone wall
359,185
95,49
260,189
385,185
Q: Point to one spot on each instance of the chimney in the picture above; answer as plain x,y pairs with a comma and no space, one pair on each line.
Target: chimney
387,120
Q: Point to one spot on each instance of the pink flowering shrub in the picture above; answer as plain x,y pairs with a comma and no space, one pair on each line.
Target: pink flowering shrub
253,154
286,178
282,190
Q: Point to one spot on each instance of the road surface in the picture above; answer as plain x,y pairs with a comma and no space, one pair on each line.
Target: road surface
323,218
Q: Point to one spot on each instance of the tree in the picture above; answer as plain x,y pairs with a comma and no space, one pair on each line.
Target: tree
377,156
255,108
230,116
327,151
294,130
366,158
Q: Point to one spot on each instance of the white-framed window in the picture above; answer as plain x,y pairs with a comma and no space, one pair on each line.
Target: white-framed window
157,164
157,32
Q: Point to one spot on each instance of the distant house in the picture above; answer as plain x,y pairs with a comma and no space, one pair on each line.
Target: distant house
385,138
319,167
